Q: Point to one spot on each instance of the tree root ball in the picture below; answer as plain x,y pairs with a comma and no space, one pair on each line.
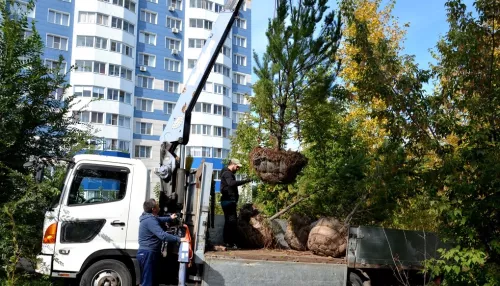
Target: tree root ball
328,238
277,166
255,232
297,232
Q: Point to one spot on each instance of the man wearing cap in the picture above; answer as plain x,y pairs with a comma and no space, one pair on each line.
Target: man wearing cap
229,199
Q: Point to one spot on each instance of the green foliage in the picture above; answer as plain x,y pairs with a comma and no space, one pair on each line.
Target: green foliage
35,122
448,138
156,191
296,46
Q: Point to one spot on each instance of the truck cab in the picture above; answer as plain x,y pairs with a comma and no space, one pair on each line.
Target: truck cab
95,217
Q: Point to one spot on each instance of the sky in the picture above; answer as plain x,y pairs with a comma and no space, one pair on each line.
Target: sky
427,20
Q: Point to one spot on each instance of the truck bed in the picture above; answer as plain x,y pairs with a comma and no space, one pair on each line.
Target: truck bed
273,255
267,267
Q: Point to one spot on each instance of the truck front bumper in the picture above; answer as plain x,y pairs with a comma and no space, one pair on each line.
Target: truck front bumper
44,264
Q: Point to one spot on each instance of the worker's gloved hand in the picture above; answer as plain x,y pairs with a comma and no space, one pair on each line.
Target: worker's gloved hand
173,216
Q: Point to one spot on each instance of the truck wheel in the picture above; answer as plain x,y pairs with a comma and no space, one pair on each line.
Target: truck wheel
108,272
355,280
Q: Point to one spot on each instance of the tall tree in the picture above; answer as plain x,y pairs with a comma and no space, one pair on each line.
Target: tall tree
295,47
449,137
301,41
465,114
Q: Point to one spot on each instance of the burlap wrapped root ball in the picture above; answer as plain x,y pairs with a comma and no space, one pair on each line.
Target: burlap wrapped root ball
254,230
277,166
328,238
297,232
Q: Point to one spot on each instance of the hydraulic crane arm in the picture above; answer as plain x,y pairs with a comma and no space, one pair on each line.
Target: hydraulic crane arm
178,127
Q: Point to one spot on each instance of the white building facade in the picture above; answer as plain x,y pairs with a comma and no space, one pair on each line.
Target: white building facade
132,57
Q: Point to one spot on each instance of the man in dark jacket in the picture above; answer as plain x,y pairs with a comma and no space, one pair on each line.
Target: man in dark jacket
229,199
151,236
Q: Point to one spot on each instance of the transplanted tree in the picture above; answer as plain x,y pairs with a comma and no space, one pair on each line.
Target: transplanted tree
33,122
301,39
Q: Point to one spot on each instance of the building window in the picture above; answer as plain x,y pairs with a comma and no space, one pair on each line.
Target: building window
201,129
121,24
145,81
220,153
222,69
202,4
196,43
216,175
53,65
168,108
119,95
152,1
172,65
149,17
121,48
198,151
203,107
239,98
237,116
240,41
191,63
147,60
127,4
144,128
241,23
59,18
20,8
90,66
144,105
208,87
90,117
173,44
118,145
222,110
175,3
239,78
226,51
171,86
142,151
93,18
239,60
174,23
218,8
123,72
97,117
221,89
147,38
57,42
118,120
200,23
221,132
89,91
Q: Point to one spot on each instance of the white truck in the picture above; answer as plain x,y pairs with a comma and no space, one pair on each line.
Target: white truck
91,231
96,240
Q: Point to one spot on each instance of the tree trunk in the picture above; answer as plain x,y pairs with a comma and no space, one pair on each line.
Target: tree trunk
281,212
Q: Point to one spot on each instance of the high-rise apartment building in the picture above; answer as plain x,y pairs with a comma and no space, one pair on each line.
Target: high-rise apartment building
132,58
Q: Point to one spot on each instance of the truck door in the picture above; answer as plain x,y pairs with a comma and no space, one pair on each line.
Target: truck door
93,214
